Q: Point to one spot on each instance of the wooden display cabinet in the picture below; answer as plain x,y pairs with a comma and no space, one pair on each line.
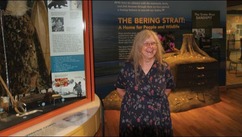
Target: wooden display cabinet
204,75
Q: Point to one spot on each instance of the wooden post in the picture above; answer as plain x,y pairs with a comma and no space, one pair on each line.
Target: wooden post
240,49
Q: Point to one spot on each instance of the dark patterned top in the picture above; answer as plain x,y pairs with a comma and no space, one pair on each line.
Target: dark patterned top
145,108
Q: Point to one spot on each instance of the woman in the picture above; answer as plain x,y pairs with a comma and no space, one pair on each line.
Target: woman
144,84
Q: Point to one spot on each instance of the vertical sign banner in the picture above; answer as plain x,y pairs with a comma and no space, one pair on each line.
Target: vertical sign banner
67,48
204,20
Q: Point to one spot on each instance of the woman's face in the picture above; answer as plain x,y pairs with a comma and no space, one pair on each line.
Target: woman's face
149,48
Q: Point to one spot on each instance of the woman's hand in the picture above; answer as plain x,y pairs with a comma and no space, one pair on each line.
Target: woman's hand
121,92
167,91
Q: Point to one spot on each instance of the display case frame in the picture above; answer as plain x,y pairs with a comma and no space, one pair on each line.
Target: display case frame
89,78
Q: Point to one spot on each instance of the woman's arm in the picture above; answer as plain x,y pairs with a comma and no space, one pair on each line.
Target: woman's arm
121,92
167,91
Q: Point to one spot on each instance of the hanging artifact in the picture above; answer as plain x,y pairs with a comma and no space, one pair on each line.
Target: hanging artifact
23,59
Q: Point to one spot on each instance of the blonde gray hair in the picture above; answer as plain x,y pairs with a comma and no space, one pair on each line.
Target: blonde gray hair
135,54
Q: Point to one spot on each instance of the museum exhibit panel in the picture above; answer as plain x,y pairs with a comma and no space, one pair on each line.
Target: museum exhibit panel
47,69
194,39
60,59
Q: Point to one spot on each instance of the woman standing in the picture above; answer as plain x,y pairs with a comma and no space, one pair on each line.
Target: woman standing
144,83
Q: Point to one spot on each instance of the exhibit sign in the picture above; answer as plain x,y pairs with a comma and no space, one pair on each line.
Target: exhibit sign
66,35
203,21
115,24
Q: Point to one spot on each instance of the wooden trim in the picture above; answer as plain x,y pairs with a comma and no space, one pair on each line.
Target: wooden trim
91,48
89,63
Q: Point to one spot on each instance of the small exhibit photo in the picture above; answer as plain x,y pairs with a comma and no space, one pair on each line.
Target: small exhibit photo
57,24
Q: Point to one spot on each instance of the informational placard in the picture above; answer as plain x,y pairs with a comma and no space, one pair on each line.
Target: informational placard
66,29
203,21
205,18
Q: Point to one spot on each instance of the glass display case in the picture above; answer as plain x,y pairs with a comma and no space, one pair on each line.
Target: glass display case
47,61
